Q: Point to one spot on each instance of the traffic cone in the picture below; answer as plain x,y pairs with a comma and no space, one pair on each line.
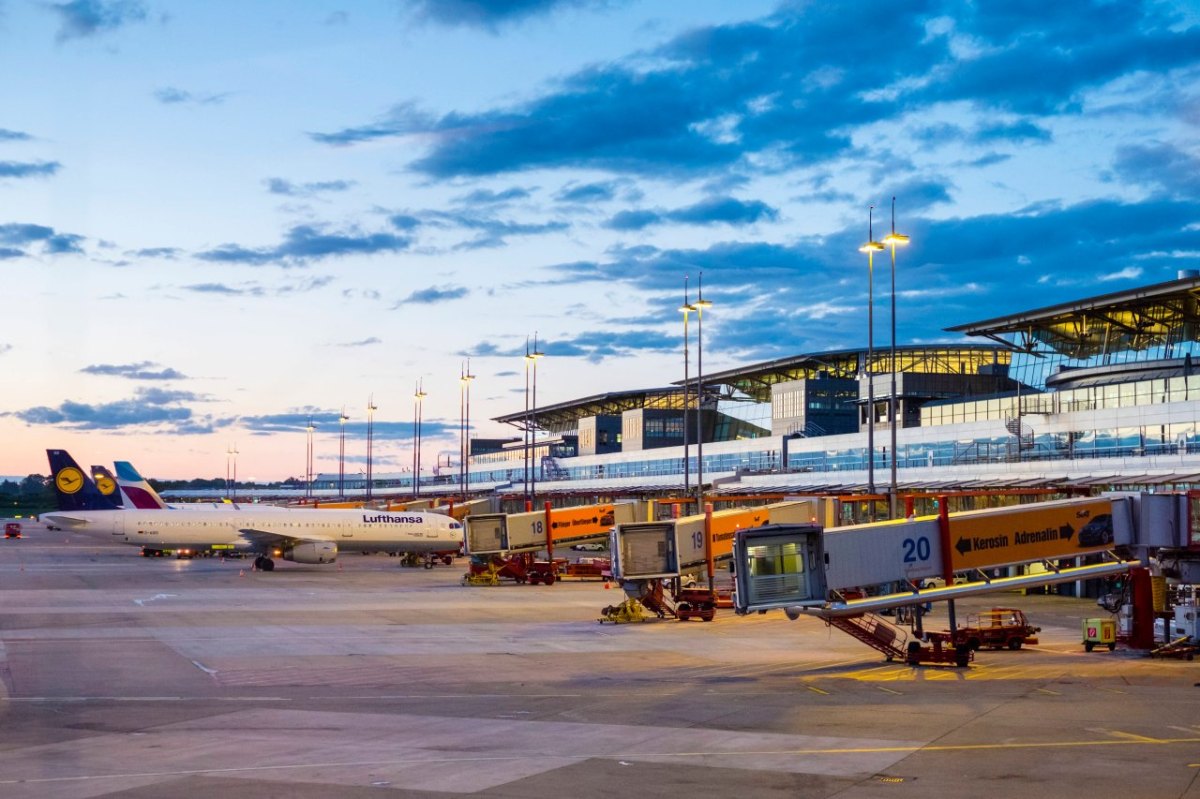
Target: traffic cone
606,585
241,572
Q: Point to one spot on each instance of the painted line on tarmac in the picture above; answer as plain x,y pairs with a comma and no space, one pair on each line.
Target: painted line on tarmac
641,755
889,690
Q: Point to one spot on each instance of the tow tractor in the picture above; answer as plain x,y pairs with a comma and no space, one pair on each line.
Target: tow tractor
12,530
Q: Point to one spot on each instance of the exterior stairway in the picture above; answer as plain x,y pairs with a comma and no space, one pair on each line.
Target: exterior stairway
875,632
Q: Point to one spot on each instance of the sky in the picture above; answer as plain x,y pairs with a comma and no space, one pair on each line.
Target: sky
219,220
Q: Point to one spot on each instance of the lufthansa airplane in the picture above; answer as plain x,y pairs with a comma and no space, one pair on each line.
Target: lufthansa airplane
301,536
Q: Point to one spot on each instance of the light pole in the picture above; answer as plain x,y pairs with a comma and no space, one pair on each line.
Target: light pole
870,248
231,454
894,240
687,309
309,465
418,398
371,408
465,381
533,358
342,419
701,304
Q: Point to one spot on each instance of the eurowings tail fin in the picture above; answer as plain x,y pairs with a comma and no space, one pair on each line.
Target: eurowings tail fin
140,493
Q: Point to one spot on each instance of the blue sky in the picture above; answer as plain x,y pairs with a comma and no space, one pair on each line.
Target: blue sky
218,219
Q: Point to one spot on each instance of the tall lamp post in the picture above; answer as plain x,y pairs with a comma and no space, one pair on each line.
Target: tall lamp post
342,419
231,454
893,240
371,408
309,465
870,248
532,358
701,304
465,447
687,309
418,398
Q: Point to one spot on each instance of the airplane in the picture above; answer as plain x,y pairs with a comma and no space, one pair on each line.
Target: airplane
300,536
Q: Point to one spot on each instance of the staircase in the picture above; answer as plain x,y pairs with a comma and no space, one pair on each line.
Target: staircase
552,470
654,598
1022,431
875,632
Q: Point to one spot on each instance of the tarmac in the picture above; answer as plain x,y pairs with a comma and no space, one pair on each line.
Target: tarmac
123,676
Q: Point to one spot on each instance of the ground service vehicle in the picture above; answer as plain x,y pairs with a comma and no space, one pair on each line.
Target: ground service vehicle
996,629
12,530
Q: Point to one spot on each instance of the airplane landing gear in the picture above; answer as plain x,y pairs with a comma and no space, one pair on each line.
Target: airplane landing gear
264,564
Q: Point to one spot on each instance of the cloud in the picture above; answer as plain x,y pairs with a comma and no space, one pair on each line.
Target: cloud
169,253
1128,273
53,243
83,18
710,211
152,407
13,135
326,422
433,295
226,290
18,169
594,346
588,192
286,187
305,243
144,370
489,15
489,197
491,231
366,342
169,95
791,89
1160,166
5,348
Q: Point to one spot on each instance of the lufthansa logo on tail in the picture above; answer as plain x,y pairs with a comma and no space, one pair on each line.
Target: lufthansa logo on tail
105,484
68,480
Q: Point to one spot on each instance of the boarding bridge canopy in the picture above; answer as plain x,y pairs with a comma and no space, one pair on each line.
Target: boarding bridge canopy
1161,317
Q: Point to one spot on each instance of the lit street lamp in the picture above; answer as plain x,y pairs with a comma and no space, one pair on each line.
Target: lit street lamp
418,397
342,419
309,465
465,379
531,420
870,248
893,240
231,485
701,304
371,408
687,309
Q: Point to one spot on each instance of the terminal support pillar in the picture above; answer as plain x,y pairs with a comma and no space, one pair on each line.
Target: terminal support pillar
1141,596
708,543
549,538
909,511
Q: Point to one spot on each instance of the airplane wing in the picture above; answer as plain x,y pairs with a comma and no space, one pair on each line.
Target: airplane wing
64,519
266,538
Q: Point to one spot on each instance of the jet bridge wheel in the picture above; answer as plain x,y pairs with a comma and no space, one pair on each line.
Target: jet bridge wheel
263,563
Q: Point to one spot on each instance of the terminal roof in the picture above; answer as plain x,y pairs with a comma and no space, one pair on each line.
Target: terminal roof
1162,315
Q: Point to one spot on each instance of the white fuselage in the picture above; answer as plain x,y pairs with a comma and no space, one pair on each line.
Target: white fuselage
243,528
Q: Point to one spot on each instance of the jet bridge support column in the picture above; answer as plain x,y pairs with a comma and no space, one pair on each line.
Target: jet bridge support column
708,544
947,556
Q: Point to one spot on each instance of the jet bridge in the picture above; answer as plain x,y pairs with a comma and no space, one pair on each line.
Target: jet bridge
770,572
533,531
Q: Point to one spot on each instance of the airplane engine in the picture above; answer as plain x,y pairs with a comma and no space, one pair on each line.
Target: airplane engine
312,552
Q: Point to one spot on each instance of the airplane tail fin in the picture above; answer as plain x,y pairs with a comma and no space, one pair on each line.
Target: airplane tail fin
107,484
140,493
72,487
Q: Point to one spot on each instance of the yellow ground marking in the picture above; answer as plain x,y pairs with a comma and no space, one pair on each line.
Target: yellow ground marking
816,690
1047,691
1129,736
889,690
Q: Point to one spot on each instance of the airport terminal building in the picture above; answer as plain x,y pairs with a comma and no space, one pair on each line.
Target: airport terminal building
1101,392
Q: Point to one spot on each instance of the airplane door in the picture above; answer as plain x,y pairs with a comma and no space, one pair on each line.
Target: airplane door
118,528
